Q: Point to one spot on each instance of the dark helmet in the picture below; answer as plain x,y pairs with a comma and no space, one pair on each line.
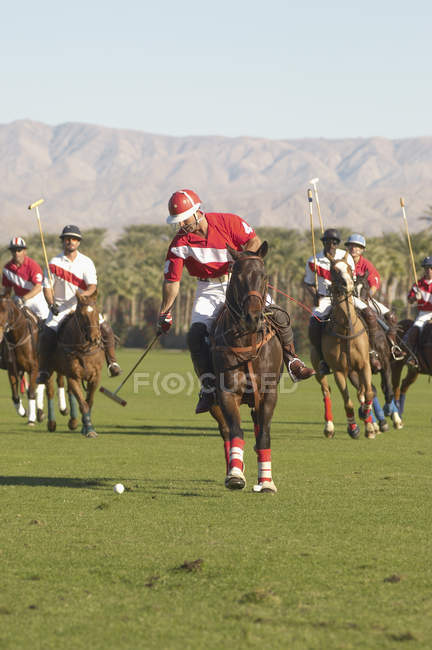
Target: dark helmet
71,231
427,261
331,233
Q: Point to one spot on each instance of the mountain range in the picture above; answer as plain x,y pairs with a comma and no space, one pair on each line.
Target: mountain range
95,176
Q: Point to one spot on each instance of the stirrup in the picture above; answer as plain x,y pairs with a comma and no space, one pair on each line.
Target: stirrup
397,353
114,369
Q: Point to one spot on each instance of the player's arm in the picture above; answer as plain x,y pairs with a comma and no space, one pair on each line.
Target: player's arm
253,244
89,291
169,294
33,292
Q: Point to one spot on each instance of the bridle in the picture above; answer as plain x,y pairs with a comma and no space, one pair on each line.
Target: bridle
10,324
234,305
85,328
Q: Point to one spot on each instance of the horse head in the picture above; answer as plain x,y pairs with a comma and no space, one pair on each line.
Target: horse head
88,317
7,314
246,293
341,275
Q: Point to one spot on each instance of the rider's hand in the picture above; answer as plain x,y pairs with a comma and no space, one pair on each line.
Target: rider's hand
19,302
164,322
417,293
54,309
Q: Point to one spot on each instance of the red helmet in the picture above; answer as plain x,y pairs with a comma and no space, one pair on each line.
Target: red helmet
182,205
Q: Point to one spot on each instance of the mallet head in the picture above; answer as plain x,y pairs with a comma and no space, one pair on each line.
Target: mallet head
36,204
112,396
314,181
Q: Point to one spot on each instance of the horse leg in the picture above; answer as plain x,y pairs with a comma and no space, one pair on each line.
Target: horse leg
396,371
32,396
263,419
352,428
329,429
409,379
40,392
235,479
390,407
365,376
87,427
14,384
61,395
216,413
51,405
91,389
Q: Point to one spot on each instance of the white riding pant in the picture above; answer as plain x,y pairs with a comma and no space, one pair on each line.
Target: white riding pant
322,311
209,299
38,305
53,321
422,318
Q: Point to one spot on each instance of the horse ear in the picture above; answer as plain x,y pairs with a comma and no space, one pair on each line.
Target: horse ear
263,249
234,254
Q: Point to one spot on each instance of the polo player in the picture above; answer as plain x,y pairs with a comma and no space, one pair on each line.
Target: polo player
319,267
24,277
356,245
200,246
71,272
420,293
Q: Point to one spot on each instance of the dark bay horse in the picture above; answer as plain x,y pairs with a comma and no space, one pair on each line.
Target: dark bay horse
345,348
79,355
423,354
19,333
247,361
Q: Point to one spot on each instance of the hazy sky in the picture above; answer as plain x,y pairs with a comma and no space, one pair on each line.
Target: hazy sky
273,68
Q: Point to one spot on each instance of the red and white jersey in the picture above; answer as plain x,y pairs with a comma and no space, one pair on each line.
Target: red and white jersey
207,257
22,278
364,266
425,303
323,270
69,277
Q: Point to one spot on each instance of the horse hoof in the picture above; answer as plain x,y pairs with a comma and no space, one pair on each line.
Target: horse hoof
383,426
235,479
370,435
354,431
397,422
31,423
39,415
329,429
64,412
266,487
91,434
52,425
73,424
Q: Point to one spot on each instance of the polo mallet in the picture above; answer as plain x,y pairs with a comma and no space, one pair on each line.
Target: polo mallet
36,205
113,395
309,193
402,202
314,182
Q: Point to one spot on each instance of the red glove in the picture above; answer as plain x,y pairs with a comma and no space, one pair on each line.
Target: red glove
164,322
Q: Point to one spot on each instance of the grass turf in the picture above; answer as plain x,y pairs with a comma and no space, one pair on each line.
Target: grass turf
338,558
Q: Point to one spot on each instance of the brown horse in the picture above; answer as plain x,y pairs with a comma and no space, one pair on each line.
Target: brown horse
247,361
423,355
19,333
79,355
345,348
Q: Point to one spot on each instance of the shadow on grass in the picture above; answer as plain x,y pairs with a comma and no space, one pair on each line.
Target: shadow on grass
145,429
178,487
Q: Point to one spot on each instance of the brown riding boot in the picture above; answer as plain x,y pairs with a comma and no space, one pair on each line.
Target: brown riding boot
296,368
201,359
47,344
315,332
109,348
372,325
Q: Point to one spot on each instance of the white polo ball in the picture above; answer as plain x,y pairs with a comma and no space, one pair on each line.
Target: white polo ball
119,488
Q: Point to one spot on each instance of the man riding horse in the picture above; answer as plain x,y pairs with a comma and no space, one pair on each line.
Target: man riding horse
24,276
200,246
71,272
356,245
420,293
318,282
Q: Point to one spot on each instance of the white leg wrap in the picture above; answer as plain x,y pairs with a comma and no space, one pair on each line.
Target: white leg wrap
32,410
40,390
20,408
62,399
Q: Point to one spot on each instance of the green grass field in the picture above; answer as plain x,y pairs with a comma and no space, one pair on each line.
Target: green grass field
339,558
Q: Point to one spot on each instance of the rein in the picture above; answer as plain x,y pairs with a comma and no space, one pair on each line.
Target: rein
86,347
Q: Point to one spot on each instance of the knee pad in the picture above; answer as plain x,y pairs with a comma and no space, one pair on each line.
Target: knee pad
196,336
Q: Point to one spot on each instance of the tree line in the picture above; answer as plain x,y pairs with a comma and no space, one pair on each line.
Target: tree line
130,275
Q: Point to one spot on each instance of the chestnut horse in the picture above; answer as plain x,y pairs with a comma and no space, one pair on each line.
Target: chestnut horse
19,333
79,355
247,362
345,348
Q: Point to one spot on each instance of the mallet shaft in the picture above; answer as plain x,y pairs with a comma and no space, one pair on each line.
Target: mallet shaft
309,193
402,202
